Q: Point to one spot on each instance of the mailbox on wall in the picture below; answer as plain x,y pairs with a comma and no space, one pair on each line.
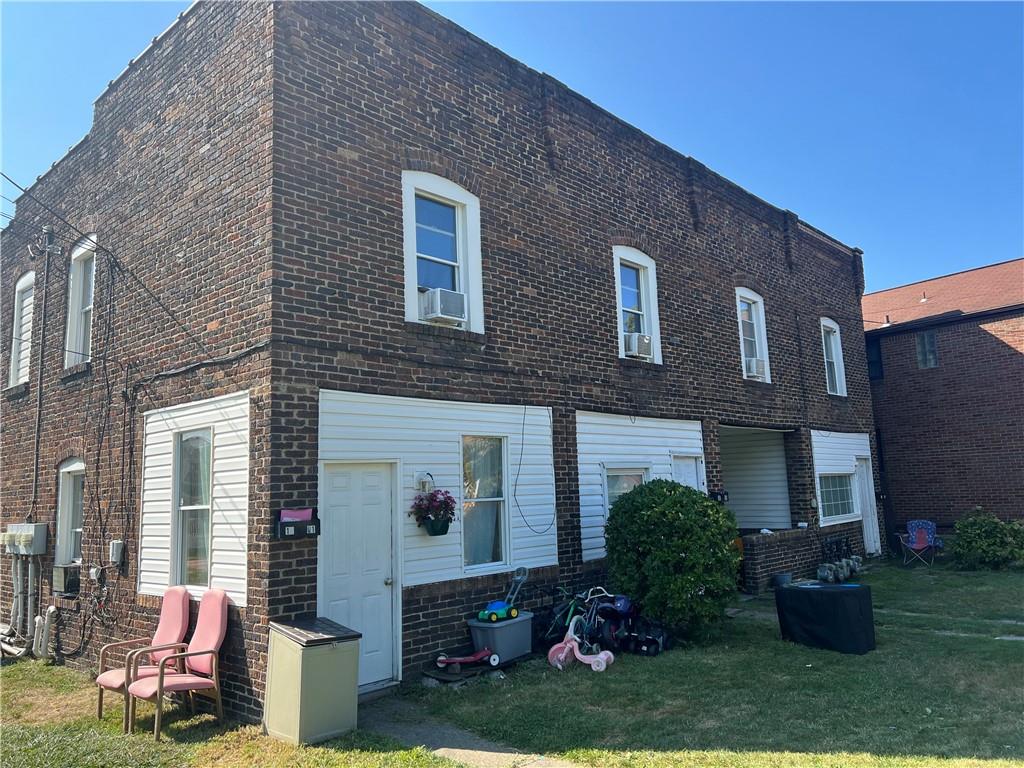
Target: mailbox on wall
297,523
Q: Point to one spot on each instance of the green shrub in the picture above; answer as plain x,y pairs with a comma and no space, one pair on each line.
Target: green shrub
671,549
984,541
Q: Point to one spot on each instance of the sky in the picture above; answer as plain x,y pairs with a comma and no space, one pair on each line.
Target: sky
894,127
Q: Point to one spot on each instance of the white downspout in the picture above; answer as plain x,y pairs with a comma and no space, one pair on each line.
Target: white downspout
19,595
30,617
42,649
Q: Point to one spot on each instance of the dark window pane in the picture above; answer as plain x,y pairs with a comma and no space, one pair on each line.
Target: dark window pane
632,322
433,214
431,274
440,245
874,350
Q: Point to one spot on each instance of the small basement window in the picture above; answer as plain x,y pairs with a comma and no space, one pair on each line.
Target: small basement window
21,335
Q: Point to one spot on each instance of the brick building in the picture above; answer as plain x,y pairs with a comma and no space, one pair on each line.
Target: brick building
348,252
946,362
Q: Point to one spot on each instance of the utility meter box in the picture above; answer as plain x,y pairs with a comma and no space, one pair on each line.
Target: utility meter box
25,538
312,681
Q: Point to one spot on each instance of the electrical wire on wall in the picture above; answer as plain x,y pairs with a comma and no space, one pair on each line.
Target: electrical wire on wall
519,469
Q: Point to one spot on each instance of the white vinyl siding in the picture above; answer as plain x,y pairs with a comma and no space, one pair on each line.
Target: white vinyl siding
420,436
836,453
21,336
160,543
607,441
754,475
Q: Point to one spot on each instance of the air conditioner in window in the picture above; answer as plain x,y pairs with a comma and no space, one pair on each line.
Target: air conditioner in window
66,579
438,305
754,367
638,345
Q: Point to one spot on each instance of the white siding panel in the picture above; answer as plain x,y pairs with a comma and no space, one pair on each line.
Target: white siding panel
228,417
754,474
836,453
604,439
422,435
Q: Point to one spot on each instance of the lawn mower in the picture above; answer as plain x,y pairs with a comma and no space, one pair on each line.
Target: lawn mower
496,610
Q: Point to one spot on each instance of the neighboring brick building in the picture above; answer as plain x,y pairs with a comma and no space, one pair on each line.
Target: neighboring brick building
279,192
946,360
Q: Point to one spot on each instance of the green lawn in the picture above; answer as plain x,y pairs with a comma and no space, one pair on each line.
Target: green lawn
48,719
938,691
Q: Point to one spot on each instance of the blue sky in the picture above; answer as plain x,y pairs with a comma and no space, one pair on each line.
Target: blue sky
896,127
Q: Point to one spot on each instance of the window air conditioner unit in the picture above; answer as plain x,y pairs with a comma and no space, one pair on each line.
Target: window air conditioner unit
754,367
638,345
438,305
66,579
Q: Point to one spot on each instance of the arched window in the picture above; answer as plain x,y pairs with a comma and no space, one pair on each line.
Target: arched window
832,347
70,505
21,335
753,335
636,291
78,340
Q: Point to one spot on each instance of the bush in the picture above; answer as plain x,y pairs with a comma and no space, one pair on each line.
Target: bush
984,541
671,549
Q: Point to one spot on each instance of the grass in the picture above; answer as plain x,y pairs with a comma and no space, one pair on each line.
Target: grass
47,718
938,691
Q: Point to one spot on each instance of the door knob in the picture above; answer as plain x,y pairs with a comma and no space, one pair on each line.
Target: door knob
388,581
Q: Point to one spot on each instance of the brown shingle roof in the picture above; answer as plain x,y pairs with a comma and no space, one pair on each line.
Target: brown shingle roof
975,290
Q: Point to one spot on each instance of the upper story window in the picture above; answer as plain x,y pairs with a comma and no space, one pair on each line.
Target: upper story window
873,347
832,346
443,276
753,335
636,291
193,490
483,500
70,505
927,349
21,335
78,339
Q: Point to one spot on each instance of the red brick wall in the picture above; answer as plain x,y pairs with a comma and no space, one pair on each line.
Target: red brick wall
953,436
174,178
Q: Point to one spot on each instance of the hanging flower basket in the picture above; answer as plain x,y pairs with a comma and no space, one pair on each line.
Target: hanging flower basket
434,511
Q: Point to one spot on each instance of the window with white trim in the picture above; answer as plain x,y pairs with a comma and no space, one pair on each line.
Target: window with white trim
441,226
636,295
21,335
483,500
81,278
193,458
832,349
753,335
619,481
837,499
70,506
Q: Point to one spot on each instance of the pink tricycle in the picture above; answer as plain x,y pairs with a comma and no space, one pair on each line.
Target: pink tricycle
562,654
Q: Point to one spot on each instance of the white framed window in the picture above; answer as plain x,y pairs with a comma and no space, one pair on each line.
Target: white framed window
636,299
753,335
70,506
21,335
81,278
927,349
832,349
193,450
441,227
619,481
837,500
484,520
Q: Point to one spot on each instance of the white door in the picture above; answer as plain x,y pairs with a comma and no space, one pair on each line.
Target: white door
356,580
686,471
869,514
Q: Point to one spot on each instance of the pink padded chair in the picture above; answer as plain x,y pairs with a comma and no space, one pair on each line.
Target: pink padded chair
200,675
170,631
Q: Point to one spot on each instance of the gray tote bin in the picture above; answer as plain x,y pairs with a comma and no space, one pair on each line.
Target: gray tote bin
510,639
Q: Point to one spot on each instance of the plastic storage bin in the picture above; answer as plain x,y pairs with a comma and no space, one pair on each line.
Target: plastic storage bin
312,681
510,639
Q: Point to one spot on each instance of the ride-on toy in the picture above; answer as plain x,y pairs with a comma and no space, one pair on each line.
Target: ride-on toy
497,610
564,653
484,655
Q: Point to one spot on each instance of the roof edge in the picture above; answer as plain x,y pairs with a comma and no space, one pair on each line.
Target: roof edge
935,320
948,274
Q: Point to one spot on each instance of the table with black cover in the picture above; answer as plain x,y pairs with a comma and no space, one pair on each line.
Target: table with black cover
837,617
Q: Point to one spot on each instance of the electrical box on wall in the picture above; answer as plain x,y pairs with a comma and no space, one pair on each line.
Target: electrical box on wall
25,538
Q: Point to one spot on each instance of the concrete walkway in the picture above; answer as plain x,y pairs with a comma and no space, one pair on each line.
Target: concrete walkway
405,722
